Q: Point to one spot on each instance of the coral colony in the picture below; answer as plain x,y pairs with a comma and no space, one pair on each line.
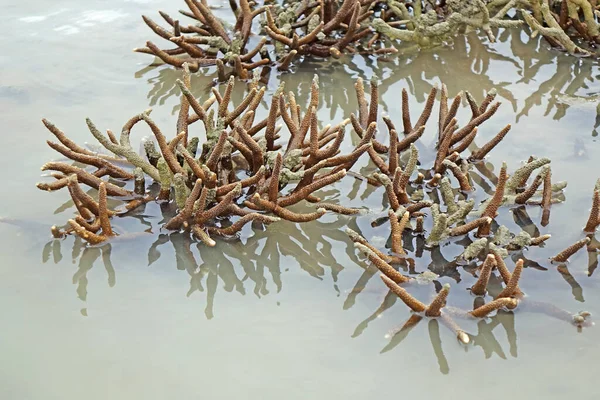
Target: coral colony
273,34
251,170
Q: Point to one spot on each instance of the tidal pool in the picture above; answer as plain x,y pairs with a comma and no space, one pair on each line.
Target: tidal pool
290,311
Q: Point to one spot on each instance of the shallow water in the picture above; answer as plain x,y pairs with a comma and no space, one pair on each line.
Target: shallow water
290,311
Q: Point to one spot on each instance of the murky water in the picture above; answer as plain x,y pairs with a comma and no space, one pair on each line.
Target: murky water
291,311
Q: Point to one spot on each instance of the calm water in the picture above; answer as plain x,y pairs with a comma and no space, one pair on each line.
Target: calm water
291,311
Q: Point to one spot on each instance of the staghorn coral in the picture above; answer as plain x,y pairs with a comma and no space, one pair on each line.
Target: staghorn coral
257,36
208,41
208,189
594,218
479,288
564,255
452,142
433,310
508,298
433,23
565,23
513,189
246,169
264,35
394,172
569,25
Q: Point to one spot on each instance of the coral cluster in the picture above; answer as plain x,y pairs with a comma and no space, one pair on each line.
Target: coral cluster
240,172
225,165
269,34
459,216
569,25
253,170
285,31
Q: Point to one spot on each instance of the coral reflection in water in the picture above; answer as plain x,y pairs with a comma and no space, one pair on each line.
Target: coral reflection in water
256,263
260,256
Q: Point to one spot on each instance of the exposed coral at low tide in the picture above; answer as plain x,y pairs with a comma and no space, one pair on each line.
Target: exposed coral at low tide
224,169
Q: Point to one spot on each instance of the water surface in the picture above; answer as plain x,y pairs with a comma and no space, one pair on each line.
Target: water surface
291,311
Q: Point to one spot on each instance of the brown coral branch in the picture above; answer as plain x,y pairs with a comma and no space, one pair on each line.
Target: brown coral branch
203,13
185,214
199,232
382,265
536,241
240,223
491,210
410,138
301,193
427,110
469,226
524,196
285,213
464,131
80,196
504,272
90,237
452,111
465,143
95,161
274,180
564,255
480,287
410,301
486,148
397,229
444,145
85,178
357,238
93,227
488,308
594,218
461,177
419,225
247,182
443,109
434,309
103,211
217,151
167,154
512,287
547,197
257,153
406,113
194,165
